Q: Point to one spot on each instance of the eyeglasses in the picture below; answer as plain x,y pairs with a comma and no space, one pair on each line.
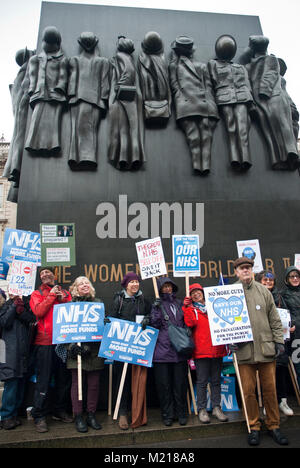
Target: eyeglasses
293,276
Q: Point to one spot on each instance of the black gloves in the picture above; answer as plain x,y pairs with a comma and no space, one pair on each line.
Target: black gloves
145,322
279,349
84,350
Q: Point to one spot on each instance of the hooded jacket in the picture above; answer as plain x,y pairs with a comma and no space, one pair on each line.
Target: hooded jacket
164,351
291,296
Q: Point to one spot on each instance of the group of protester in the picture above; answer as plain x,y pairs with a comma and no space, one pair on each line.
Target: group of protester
267,353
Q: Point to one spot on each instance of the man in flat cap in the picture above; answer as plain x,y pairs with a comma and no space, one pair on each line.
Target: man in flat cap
260,354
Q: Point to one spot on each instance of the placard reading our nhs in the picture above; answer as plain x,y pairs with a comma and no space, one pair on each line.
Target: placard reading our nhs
186,255
78,322
228,314
22,245
127,342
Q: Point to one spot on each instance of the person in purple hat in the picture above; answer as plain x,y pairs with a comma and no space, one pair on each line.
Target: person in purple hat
128,304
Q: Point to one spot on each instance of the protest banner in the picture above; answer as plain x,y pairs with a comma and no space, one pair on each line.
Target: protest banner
22,278
4,267
2,352
251,249
228,314
127,342
78,322
22,245
229,322
285,318
151,258
58,244
186,255
297,261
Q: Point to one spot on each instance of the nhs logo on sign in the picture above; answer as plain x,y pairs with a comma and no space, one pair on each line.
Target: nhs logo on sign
23,245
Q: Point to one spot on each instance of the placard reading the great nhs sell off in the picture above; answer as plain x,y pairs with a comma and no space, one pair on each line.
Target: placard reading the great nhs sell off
127,342
151,258
186,255
228,314
78,322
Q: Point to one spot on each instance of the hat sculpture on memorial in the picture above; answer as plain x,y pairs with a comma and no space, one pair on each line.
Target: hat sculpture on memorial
243,261
152,43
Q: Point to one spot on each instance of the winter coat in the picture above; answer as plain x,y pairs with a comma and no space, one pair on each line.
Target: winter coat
127,307
283,359
198,321
15,334
164,351
266,326
91,362
41,304
291,296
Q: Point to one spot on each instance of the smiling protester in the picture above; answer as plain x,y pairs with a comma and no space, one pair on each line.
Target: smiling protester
291,296
128,304
259,354
47,362
208,358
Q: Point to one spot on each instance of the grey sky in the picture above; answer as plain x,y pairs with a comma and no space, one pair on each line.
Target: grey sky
19,22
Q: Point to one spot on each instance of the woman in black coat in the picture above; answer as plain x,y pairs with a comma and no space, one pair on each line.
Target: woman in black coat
15,318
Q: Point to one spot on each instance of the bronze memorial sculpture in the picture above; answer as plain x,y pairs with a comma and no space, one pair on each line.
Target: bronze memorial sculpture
195,107
273,112
88,92
48,75
125,118
154,81
234,98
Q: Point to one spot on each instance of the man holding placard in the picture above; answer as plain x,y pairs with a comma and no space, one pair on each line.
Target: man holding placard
42,303
259,354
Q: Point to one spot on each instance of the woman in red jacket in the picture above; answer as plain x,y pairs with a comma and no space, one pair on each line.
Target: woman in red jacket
208,358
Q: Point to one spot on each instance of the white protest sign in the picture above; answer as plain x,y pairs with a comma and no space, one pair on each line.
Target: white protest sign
297,261
186,255
285,318
228,314
151,258
22,278
251,249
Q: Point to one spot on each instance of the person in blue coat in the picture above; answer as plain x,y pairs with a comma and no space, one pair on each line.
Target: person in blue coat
170,369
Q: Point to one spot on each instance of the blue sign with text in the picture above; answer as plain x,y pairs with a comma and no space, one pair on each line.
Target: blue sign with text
23,245
126,341
78,322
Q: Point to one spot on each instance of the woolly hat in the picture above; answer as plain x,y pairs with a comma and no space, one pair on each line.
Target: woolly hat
47,268
129,277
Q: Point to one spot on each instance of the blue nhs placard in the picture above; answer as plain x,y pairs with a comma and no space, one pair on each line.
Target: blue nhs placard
126,341
186,255
78,322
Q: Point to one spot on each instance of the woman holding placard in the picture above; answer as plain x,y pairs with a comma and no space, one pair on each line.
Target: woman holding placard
268,279
170,369
130,304
83,291
208,358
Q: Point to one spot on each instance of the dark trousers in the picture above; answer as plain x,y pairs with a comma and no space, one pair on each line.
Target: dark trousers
208,370
171,384
49,365
92,380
